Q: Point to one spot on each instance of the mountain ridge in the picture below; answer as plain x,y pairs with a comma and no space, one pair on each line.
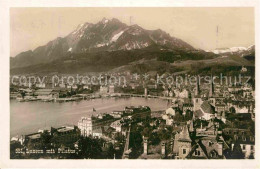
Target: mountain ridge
110,45
106,35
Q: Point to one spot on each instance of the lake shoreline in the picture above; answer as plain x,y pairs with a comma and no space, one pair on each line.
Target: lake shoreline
55,114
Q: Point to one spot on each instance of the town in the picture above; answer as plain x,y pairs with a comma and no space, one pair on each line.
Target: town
203,121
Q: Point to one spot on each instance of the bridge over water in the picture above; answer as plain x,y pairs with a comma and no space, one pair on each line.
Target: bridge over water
145,96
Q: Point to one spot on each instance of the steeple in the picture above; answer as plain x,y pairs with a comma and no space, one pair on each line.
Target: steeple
211,90
184,135
197,92
191,129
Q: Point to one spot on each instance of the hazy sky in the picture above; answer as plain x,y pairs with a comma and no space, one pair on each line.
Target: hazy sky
33,27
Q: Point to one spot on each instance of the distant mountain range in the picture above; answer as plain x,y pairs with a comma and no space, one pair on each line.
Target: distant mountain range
233,50
107,45
245,52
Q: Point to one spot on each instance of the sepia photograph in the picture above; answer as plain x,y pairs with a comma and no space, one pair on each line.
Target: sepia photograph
132,83
129,84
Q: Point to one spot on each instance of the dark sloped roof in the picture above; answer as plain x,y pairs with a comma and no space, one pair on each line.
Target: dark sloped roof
198,113
204,149
184,134
98,130
207,108
196,146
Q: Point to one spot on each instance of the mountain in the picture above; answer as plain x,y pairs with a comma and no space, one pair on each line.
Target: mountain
103,61
106,35
246,52
112,46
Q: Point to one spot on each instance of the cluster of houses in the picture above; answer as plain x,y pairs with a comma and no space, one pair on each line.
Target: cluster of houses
96,127
189,141
210,141
205,142
49,94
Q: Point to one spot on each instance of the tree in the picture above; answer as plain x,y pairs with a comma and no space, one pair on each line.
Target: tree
188,115
23,94
13,147
45,139
136,141
237,152
119,137
110,152
232,110
178,117
164,134
146,132
154,138
89,148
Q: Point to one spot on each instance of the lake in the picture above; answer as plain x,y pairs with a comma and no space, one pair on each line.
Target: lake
28,117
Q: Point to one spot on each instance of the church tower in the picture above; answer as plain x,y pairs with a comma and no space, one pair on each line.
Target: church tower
211,90
197,89
184,143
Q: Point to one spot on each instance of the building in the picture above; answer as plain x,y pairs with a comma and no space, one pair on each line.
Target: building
86,126
32,140
206,111
204,143
117,125
14,95
211,90
62,85
103,90
244,137
65,135
182,144
184,93
40,85
197,102
97,132
247,148
74,86
197,89
239,109
138,111
18,139
206,148
117,114
243,69
46,94
27,92
220,107
187,106
111,89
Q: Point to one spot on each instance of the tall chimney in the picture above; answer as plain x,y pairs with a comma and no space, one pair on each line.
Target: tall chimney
163,148
145,145
220,148
145,91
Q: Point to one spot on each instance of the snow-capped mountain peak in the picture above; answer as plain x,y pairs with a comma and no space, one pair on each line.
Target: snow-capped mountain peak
105,35
232,50
111,35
